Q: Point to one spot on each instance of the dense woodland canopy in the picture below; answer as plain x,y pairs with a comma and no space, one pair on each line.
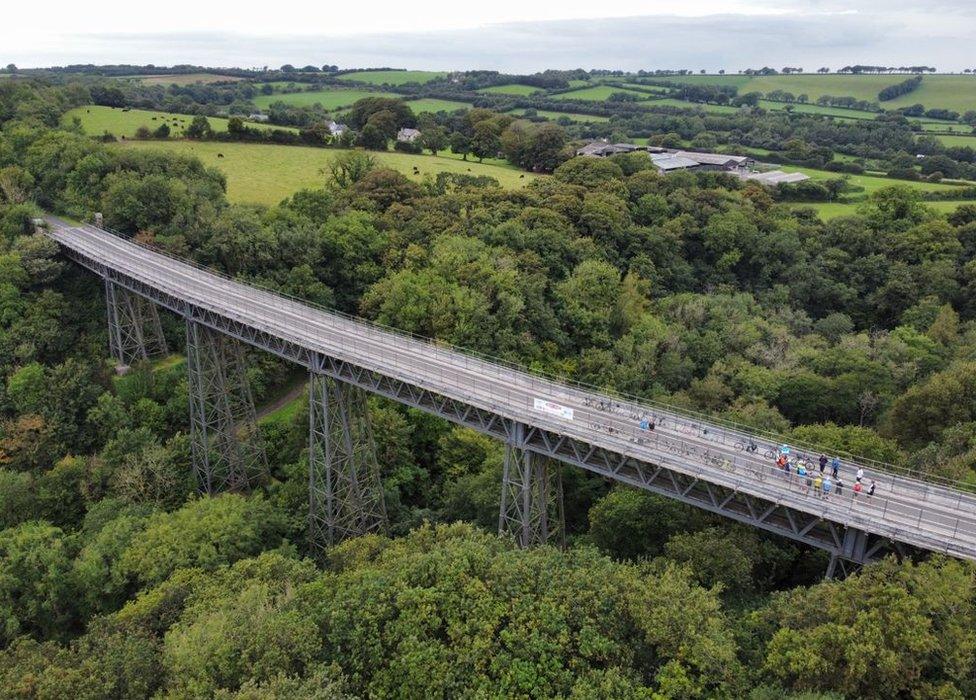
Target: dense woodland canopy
117,581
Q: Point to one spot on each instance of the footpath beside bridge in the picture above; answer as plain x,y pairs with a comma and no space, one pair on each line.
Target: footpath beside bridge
722,469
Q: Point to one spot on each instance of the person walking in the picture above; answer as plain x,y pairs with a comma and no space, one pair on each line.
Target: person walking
840,488
818,486
871,489
827,487
835,466
857,489
823,463
801,472
860,474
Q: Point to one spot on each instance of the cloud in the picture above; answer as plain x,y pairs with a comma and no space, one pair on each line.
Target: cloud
826,33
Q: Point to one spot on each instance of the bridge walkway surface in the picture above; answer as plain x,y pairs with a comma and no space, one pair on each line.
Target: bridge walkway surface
723,468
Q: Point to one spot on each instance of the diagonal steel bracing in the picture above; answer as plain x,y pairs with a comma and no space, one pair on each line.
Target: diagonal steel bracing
531,509
227,451
134,331
345,491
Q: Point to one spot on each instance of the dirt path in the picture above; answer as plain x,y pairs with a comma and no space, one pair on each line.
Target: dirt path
293,393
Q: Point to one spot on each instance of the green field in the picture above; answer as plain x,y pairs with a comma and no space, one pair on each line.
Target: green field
597,93
956,92
736,80
184,79
394,77
869,183
512,89
831,210
570,115
96,120
838,112
329,99
685,104
952,127
957,140
267,173
434,105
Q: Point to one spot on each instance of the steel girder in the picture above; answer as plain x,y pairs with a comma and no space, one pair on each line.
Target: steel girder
531,510
135,333
766,514
345,493
227,451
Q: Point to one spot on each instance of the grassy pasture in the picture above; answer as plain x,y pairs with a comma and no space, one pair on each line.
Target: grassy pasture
96,120
956,92
831,210
267,173
869,183
512,89
957,140
329,99
430,104
838,112
393,77
183,79
685,104
597,93
571,115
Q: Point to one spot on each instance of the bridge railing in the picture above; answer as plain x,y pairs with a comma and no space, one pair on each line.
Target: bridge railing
953,527
771,438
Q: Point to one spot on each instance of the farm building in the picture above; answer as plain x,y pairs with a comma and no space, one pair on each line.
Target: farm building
774,177
718,161
602,149
408,135
336,129
670,162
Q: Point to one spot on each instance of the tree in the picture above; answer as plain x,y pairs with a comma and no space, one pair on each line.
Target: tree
372,137
486,142
399,112
634,524
35,588
434,139
349,168
199,128
207,533
450,593
876,635
460,144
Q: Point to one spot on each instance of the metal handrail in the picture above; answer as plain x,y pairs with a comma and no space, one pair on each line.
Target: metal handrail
944,521
745,430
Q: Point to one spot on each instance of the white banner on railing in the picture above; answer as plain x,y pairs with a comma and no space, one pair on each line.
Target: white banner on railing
554,408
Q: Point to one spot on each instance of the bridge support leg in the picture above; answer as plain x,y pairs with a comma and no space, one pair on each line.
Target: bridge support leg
531,510
344,488
134,331
227,451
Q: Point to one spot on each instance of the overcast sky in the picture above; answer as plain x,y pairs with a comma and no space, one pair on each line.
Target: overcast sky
508,35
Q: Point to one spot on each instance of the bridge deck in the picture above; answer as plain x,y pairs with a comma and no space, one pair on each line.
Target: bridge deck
930,516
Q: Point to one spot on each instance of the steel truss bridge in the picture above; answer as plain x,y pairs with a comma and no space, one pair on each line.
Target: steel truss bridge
543,422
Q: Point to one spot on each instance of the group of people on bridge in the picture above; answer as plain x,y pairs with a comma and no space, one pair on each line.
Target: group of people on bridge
824,481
